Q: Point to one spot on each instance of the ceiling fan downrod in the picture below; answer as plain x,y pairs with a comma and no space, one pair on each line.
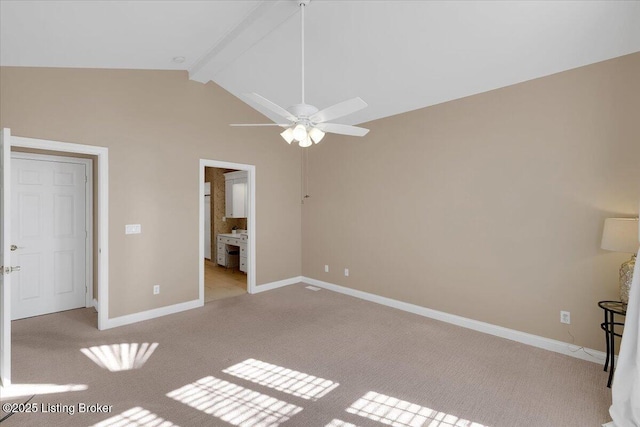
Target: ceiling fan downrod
302,4
306,124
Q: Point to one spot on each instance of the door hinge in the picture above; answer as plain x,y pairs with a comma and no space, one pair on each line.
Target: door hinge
86,179
86,234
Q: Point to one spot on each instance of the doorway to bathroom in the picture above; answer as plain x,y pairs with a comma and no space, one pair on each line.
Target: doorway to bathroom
226,242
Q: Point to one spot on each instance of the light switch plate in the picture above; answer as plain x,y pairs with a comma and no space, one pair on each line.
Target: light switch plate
132,229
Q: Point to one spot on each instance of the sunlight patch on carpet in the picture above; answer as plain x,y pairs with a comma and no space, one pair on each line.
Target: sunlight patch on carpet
135,417
399,413
234,404
282,379
120,357
339,423
22,390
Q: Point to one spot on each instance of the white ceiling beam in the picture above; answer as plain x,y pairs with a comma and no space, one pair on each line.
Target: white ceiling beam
259,23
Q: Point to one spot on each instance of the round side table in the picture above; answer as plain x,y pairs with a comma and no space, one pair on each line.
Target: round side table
612,329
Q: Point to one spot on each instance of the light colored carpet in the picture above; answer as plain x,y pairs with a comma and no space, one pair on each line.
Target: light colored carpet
296,357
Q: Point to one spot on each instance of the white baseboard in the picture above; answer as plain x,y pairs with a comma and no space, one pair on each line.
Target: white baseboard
176,308
499,331
151,314
277,284
95,304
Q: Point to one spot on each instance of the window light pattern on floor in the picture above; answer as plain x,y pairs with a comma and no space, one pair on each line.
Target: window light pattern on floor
339,423
234,404
135,417
21,390
399,413
120,357
282,379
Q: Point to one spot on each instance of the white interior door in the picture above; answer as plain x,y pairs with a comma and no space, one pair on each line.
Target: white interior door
48,211
5,279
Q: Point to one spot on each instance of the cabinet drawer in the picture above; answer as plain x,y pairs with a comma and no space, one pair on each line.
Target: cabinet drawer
231,241
243,251
222,259
221,247
243,264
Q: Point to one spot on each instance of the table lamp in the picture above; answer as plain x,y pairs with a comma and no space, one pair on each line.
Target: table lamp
621,235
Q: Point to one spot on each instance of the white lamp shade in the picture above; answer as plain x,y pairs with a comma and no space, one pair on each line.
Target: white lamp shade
620,235
305,142
316,135
299,132
287,135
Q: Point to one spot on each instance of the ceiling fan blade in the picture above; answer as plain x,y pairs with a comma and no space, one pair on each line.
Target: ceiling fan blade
342,129
261,100
284,125
338,110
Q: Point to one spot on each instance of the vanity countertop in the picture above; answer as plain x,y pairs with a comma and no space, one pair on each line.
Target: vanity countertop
235,236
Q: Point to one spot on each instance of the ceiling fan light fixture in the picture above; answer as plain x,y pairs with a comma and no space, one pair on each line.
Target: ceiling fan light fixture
316,135
300,133
306,142
306,124
287,135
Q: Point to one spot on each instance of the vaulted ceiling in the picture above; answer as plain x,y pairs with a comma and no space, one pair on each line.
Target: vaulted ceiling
396,55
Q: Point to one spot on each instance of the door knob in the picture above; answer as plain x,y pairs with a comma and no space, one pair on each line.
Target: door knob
14,247
7,270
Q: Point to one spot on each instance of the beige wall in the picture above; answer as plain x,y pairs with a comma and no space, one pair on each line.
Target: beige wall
157,125
489,207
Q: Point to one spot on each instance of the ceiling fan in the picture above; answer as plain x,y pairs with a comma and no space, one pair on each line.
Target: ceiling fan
306,123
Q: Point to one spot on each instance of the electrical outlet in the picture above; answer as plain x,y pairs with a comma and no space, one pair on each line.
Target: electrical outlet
224,219
346,272
156,289
565,317
326,268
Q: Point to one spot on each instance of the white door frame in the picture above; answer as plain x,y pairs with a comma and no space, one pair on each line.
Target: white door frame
102,154
88,191
251,221
5,312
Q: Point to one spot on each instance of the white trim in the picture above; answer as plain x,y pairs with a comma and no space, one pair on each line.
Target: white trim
152,314
499,331
102,154
88,193
176,308
5,308
251,222
95,304
278,284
